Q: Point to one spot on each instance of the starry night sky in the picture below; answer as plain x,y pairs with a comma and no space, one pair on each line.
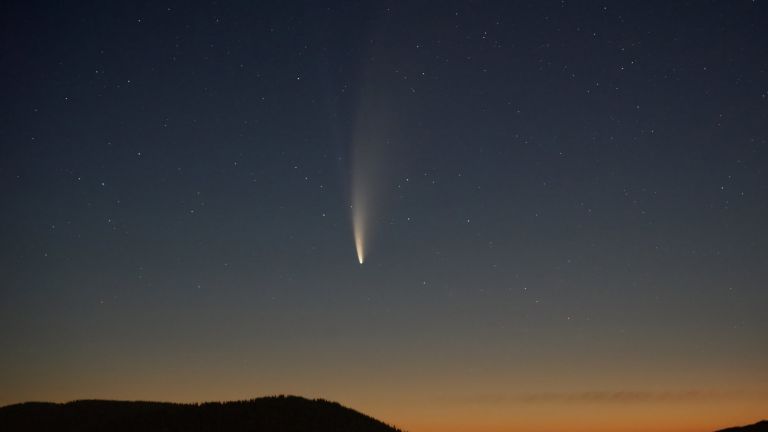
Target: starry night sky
568,225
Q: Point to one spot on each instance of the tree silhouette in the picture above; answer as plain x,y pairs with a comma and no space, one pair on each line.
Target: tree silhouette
269,414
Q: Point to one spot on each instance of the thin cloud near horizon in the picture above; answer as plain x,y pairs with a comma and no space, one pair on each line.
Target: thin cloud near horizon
623,396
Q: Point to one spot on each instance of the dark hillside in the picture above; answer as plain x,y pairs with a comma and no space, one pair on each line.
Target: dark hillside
269,414
757,427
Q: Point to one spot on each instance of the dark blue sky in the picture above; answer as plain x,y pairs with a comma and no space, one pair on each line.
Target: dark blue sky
572,197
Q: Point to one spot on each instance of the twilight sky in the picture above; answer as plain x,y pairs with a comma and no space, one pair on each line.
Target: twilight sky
564,207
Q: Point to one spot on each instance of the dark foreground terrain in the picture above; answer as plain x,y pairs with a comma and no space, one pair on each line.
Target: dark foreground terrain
269,414
757,427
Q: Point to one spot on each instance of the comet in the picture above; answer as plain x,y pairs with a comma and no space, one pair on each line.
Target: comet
368,162
372,141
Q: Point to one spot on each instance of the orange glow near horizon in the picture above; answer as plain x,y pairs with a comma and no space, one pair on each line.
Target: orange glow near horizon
426,403
414,415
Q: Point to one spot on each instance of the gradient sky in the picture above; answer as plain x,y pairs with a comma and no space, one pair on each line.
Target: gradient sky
567,225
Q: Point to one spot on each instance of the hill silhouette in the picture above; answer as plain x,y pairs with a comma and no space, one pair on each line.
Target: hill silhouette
757,427
268,414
